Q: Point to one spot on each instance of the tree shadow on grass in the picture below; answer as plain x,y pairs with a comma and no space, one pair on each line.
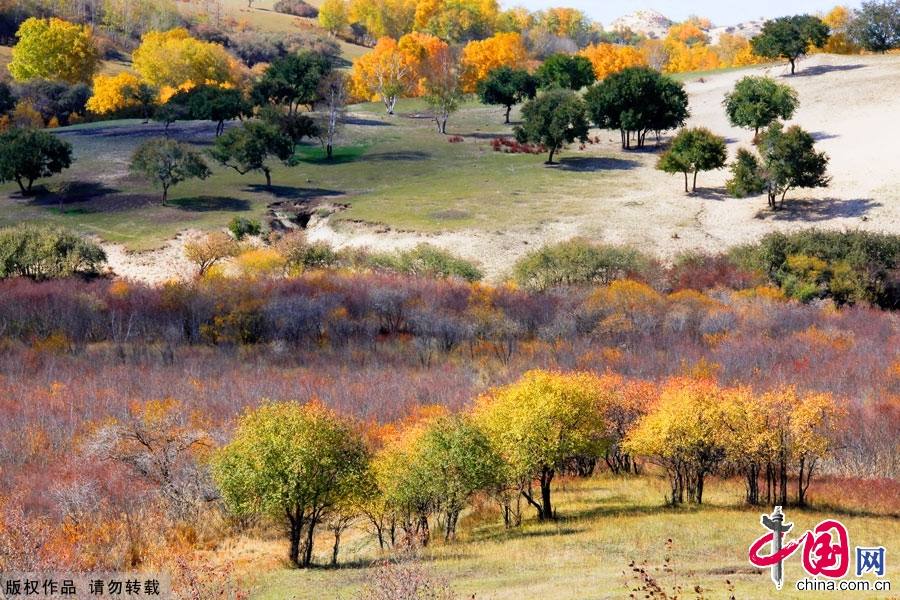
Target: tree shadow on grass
823,135
586,164
364,122
209,203
823,69
400,156
67,192
811,211
719,194
297,194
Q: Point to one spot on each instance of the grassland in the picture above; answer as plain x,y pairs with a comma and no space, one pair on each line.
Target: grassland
606,523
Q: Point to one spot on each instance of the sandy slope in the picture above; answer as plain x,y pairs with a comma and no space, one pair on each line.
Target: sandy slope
850,103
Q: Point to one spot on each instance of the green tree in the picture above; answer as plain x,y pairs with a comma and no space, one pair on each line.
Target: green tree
333,16
167,163
555,118
7,98
756,102
788,160
40,252
291,461
292,81
443,93
211,103
638,100
790,37
507,87
54,49
250,147
455,461
876,26
29,154
566,71
693,150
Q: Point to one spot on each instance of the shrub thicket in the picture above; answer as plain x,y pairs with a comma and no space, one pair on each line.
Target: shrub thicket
43,253
576,262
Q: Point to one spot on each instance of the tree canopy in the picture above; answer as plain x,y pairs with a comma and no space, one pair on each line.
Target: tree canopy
790,37
555,118
566,71
251,146
54,49
507,87
876,25
167,162
637,100
29,154
788,160
756,102
291,460
691,151
293,81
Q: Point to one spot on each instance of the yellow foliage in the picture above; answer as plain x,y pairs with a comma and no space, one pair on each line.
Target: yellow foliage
173,57
735,51
684,58
838,19
384,18
261,262
421,50
688,33
385,73
113,93
54,49
25,115
480,57
608,59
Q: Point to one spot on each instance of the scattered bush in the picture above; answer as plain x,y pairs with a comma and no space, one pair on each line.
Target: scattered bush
241,227
298,8
576,262
426,261
45,253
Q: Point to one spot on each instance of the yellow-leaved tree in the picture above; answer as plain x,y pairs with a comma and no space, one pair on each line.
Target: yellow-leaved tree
840,42
171,59
684,435
383,18
481,57
612,58
457,20
542,422
54,49
114,93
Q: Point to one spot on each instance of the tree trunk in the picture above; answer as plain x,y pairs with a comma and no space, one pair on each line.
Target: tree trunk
165,193
22,186
268,173
546,506
552,152
308,545
508,110
295,518
337,543
793,65
329,151
686,182
695,181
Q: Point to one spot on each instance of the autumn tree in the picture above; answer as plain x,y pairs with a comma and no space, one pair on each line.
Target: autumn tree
507,87
541,421
612,58
566,72
637,101
441,83
251,147
173,59
121,92
383,18
683,434
790,38
293,461
333,16
167,163
293,81
691,151
29,154
756,102
788,160
209,250
457,20
54,49
481,57
839,21
383,74
555,118
876,25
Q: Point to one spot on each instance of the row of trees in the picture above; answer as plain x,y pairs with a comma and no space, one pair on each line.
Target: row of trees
308,465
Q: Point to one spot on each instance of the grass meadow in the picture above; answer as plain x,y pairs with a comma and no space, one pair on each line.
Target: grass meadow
605,523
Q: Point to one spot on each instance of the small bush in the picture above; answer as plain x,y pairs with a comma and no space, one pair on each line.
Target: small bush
577,262
509,146
426,261
241,227
849,267
47,253
298,8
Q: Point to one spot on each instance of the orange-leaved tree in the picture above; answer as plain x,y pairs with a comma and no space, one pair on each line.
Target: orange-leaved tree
386,74
612,58
481,57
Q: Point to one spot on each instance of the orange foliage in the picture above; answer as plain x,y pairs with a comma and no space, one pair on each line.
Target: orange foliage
608,59
480,57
